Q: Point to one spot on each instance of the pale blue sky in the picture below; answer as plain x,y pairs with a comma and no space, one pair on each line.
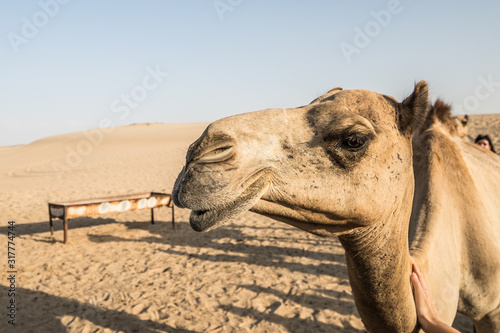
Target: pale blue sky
81,60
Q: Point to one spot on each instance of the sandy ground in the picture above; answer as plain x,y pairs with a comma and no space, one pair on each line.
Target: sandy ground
120,273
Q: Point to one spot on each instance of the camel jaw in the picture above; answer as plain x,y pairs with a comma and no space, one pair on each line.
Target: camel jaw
315,222
206,220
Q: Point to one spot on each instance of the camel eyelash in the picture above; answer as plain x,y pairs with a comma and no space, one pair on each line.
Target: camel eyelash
348,140
353,142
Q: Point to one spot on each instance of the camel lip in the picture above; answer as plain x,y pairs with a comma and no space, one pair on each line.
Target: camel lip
206,220
203,220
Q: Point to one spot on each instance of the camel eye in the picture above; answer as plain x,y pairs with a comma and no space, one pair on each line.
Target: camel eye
353,142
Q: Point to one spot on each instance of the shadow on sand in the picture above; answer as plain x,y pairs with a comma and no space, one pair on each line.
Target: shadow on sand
41,227
267,256
240,250
31,318
262,255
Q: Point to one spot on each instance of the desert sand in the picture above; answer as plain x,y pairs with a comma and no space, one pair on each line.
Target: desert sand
120,273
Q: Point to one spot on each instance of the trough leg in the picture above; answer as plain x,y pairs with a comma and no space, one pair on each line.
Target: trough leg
173,217
65,226
51,224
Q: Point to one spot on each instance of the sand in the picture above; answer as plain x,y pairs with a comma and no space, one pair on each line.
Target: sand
120,273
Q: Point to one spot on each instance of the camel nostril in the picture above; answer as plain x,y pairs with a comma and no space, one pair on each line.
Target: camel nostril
216,155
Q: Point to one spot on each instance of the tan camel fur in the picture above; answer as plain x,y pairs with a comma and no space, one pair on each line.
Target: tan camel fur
455,223
461,125
343,166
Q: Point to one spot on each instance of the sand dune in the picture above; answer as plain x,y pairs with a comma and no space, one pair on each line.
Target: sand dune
121,273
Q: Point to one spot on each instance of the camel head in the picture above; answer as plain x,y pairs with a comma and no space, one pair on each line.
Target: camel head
461,125
342,162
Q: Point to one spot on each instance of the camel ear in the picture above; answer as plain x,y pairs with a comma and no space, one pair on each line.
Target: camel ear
411,112
327,96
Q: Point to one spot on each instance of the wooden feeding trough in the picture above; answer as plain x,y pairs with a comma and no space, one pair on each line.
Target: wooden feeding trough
124,203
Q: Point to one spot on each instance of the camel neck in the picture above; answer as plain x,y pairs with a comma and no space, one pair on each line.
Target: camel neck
379,267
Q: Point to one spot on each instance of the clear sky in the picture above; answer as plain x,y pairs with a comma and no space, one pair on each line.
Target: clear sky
68,65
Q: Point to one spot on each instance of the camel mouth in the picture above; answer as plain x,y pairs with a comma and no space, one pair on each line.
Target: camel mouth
206,220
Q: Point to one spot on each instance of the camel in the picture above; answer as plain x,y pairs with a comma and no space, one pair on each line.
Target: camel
392,180
461,125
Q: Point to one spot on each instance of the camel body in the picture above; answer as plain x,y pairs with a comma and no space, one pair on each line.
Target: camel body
346,165
455,222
